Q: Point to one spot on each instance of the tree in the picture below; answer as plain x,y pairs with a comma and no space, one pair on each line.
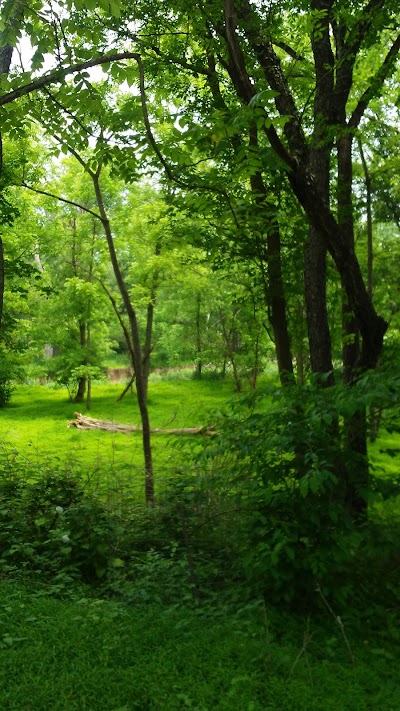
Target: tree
226,106
259,66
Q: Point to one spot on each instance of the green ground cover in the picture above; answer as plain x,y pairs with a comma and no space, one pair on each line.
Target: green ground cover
142,641
34,425
99,655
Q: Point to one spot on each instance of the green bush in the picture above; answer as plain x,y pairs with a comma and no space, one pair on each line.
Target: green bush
284,469
6,389
51,527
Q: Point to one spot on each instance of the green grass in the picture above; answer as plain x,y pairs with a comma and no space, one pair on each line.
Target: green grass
106,656
35,425
84,653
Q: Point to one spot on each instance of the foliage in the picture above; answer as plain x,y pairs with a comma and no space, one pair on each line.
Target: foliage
49,528
285,475
205,564
232,653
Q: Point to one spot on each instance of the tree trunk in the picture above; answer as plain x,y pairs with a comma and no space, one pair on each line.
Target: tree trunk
256,365
89,380
127,341
319,160
137,350
275,287
128,386
300,353
368,195
303,182
199,363
80,395
5,62
319,338
355,427
149,326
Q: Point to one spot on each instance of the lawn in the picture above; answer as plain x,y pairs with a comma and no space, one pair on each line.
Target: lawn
34,427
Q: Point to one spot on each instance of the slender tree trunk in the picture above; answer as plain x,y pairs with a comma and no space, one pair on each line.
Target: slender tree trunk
375,414
256,365
127,341
149,325
198,337
89,379
368,194
275,287
5,62
80,395
128,386
140,380
229,343
300,350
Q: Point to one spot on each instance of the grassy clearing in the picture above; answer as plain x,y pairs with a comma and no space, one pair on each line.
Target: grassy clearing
35,425
101,655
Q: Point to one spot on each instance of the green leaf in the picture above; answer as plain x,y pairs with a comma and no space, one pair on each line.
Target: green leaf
264,96
115,8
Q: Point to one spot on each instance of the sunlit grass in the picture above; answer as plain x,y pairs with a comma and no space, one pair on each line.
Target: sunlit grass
34,426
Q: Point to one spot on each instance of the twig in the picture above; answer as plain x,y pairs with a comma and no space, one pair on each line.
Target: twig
338,620
306,641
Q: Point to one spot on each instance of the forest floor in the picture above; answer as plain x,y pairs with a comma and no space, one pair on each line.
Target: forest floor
87,653
77,649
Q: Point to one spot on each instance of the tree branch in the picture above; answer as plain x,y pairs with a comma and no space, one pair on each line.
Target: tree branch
375,84
61,199
358,33
243,85
58,75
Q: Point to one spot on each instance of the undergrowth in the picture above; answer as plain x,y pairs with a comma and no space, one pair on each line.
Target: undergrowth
247,587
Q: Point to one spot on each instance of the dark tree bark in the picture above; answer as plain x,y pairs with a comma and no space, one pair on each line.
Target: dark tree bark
5,62
308,175
270,252
315,250
80,395
296,155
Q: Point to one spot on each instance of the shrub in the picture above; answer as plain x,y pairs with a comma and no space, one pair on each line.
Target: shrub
6,389
285,467
53,528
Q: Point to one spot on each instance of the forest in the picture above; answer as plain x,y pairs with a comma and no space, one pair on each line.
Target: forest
199,355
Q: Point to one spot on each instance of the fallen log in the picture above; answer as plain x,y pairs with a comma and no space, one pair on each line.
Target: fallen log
82,422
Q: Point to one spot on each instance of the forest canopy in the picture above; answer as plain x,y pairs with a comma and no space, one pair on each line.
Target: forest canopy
213,184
